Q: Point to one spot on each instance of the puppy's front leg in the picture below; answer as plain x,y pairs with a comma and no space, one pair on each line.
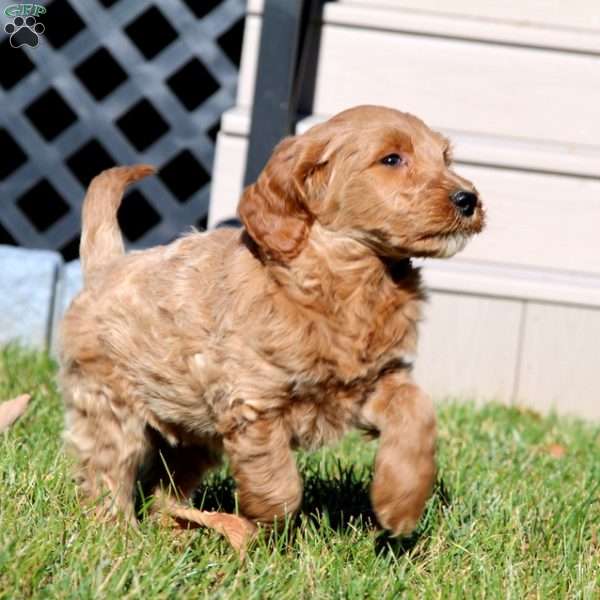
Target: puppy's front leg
405,462
263,466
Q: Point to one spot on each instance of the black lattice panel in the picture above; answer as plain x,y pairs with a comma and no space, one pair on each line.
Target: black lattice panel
114,82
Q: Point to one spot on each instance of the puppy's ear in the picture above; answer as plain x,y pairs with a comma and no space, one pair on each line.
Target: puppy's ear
274,209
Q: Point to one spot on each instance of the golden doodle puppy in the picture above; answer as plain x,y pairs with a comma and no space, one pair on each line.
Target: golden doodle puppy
282,335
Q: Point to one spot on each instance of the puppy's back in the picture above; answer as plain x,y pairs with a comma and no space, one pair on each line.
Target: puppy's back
144,308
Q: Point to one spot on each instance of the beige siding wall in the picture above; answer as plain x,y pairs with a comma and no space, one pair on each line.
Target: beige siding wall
516,85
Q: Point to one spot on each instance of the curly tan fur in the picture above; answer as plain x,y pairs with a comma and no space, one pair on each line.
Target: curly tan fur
285,334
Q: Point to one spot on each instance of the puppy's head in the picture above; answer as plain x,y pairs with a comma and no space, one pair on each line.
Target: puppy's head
371,173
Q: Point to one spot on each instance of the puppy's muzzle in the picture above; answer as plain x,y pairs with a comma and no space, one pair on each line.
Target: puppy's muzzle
465,202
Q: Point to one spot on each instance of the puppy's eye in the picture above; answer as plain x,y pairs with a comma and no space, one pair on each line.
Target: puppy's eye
392,160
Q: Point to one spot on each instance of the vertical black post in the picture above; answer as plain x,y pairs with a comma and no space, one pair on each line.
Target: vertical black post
286,58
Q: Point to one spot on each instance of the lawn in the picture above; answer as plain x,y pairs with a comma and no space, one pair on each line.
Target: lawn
515,514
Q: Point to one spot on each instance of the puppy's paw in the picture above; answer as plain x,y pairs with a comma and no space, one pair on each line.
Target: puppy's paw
397,519
399,500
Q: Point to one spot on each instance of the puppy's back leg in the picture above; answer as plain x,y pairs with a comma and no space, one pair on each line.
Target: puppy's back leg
109,442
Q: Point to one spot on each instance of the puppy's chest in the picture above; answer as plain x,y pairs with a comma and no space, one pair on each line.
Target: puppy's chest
345,364
359,345
326,402
325,399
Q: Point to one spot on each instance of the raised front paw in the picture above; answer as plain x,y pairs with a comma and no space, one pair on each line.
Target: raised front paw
400,491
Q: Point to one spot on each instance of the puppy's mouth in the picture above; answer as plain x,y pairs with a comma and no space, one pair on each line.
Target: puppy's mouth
429,245
451,244
447,244
442,245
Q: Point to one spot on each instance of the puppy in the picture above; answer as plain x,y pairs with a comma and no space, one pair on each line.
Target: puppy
285,334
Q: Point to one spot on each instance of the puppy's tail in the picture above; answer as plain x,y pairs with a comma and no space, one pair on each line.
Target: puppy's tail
101,239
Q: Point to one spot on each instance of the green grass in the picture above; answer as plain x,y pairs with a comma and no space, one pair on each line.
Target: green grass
507,519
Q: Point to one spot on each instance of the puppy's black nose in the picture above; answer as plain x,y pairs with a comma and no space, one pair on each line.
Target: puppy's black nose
465,202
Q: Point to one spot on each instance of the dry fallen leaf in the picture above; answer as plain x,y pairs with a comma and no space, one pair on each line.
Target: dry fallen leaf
239,531
11,410
556,450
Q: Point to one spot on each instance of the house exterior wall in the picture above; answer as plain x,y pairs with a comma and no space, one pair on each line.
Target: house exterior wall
516,86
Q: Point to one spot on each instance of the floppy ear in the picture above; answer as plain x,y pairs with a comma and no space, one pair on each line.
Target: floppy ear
273,209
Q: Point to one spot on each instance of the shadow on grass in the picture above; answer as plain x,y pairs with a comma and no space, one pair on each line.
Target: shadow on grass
341,501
